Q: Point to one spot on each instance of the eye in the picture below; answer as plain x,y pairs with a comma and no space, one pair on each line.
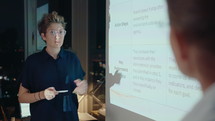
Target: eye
52,32
61,32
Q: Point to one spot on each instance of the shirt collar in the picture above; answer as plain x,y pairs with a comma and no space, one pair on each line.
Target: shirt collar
60,54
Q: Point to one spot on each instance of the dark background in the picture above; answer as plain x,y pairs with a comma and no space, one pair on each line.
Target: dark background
12,44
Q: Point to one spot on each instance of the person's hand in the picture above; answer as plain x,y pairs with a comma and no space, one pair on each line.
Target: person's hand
50,93
81,88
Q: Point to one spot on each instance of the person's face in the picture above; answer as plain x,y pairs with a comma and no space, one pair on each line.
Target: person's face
54,35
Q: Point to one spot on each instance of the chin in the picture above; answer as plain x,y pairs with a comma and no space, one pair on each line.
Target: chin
57,45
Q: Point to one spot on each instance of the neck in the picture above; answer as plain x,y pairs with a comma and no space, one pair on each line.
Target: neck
204,64
53,52
206,85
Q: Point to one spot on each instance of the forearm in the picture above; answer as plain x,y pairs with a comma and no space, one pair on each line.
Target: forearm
31,97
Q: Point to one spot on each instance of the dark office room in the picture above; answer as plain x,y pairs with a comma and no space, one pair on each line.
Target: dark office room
107,60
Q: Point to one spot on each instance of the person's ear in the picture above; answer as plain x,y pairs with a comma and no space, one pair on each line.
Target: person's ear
179,44
43,36
181,50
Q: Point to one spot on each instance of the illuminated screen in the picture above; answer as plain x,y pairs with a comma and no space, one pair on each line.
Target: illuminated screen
143,82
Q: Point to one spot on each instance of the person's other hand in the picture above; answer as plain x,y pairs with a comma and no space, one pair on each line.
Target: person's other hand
50,93
82,87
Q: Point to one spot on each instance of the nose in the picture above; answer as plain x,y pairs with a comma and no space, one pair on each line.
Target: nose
57,36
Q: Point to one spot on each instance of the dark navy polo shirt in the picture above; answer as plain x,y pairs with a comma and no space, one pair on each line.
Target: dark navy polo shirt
42,71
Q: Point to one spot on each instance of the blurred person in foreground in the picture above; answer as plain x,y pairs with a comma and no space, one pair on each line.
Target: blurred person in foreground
192,38
52,78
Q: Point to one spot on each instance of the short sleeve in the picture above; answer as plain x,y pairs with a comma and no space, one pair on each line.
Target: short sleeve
78,69
25,75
